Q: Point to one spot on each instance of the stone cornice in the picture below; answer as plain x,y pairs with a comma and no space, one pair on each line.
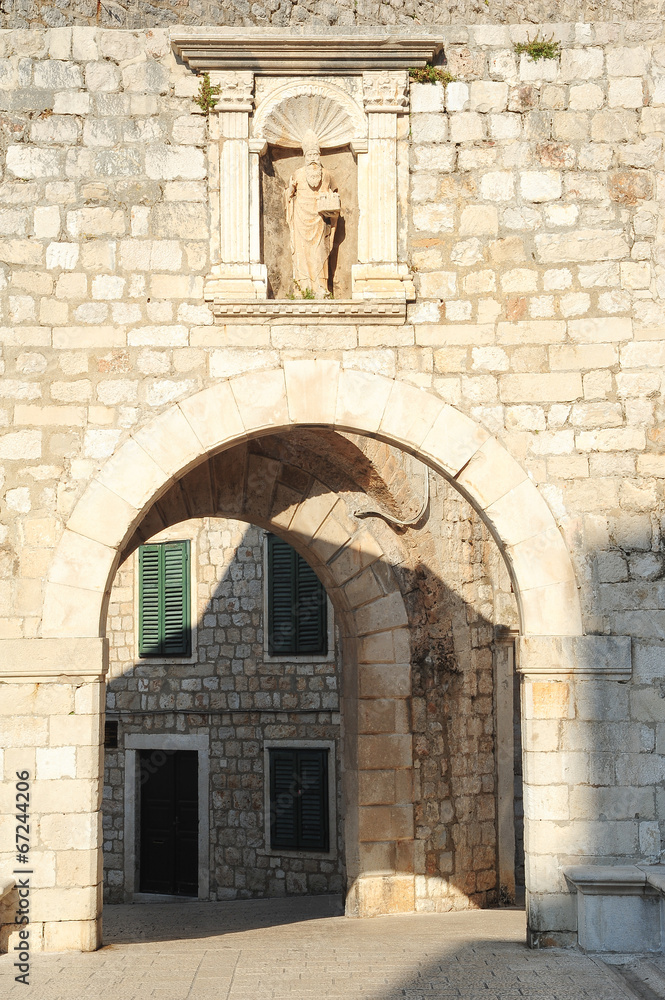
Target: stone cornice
36,660
607,657
288,54
310,311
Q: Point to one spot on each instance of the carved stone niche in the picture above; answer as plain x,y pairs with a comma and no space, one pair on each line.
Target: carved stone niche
351,119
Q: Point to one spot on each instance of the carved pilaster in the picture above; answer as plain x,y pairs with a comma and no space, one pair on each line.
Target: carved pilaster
378,273
386,92
239,273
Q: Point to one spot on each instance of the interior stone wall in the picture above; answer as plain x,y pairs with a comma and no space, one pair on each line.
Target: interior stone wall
229,676
449,572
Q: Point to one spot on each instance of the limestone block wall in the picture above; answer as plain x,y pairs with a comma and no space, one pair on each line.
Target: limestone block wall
535,235
407,14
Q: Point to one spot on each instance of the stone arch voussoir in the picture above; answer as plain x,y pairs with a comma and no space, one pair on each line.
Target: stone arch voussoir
314,393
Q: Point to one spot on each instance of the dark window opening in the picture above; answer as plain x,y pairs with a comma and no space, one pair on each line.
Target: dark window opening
111,735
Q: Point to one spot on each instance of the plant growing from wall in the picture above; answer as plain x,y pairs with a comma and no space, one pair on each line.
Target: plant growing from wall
539,48
305,293
207,95
431,74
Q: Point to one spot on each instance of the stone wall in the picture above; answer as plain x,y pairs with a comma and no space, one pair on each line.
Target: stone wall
536,238
407,14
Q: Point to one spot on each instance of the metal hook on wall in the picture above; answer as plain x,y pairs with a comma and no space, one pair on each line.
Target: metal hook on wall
406,522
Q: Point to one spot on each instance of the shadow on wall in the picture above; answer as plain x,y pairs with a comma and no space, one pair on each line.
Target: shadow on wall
231,694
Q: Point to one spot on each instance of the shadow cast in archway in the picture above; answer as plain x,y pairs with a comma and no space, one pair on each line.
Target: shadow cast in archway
126,923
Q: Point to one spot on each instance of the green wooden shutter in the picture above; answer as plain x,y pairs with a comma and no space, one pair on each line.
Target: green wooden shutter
284,789
164,620
281,597
176,631
299,800
311,608
297,604
313,825
149,601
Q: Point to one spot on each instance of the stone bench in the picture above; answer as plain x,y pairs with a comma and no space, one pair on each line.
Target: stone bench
620,908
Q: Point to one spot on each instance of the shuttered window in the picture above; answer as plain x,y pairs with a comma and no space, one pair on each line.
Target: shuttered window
299,800
297,604
164,623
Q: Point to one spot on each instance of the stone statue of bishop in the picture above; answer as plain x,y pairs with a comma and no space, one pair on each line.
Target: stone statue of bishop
312,209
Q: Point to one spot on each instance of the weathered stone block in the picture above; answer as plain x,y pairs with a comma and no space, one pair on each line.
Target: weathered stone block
55,74
582,245
625,93
426,97
581,64
173,163
485,96
466,126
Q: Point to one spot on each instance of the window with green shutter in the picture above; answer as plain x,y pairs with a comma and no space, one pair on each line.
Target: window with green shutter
297,604
164,621
299,814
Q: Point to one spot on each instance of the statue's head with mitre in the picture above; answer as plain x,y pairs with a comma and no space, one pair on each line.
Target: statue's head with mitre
312,153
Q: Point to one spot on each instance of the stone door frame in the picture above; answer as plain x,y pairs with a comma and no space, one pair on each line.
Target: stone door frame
134,743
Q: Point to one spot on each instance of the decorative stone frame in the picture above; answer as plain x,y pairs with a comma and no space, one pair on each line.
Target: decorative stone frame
166,741
375,126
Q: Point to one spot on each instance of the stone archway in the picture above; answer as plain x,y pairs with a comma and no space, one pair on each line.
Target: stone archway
314,393
304,393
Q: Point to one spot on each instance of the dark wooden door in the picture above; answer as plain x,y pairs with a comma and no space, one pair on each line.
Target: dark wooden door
169,856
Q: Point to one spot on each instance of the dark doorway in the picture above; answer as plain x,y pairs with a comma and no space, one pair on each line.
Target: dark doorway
169,855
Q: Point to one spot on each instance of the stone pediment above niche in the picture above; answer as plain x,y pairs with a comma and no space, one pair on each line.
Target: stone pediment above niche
309,172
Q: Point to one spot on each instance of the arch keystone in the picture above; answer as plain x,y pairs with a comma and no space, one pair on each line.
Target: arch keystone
361,400
311,390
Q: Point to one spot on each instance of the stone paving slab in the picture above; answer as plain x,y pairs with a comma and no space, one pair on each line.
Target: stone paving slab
298,949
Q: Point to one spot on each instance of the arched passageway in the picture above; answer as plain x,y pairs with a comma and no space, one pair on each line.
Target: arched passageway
323,395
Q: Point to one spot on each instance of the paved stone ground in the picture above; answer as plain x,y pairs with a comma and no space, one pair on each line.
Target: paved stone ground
303,948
